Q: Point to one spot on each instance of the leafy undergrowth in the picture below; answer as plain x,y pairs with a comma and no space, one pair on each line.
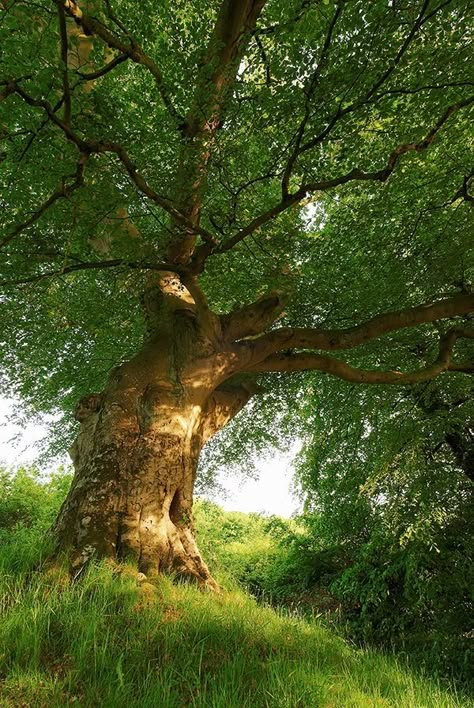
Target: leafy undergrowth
108,640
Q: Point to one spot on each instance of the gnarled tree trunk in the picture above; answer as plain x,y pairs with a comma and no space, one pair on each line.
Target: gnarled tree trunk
137,450
136,454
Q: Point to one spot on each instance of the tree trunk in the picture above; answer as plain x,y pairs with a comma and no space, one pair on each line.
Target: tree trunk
136,454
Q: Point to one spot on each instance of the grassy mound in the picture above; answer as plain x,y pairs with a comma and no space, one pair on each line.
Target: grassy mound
110,641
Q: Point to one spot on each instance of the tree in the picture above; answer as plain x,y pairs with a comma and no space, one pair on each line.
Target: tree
179,157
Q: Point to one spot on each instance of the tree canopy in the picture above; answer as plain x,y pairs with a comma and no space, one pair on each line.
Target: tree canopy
312,157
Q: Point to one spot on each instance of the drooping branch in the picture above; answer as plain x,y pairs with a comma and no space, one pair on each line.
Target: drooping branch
334,339
253,319
90,146
62,192
458,431
309,361
462,446
110,66
92,265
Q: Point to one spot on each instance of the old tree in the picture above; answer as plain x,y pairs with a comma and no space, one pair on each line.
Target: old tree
169,175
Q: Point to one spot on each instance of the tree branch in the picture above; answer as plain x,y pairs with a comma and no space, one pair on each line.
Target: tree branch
309,94
234,23
463,192
62,192
383,174
64,59
308,361
398,57
224,404
91,26
104,70
355,174
253,319
336,339
94,265
90,146
370,96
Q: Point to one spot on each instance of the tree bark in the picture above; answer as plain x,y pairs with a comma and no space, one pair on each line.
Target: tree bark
137,450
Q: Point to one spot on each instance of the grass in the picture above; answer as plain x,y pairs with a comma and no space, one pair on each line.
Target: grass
109,641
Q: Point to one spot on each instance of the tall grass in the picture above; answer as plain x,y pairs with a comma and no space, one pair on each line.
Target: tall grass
109,641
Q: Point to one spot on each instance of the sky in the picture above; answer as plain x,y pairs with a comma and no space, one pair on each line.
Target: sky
270,493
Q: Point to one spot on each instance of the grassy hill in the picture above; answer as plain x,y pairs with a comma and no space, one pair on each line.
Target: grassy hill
111,640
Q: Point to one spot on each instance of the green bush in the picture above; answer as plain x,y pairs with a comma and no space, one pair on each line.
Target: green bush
28,506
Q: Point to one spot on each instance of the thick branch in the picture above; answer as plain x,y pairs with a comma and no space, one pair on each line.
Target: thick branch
234,23
64,60
224,404
253,319
333,339
308,361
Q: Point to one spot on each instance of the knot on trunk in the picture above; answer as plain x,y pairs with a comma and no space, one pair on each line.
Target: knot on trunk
87,406
165,296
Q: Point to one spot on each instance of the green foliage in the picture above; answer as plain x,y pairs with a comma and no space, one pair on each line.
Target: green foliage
390,501
345,254
28,507
27,498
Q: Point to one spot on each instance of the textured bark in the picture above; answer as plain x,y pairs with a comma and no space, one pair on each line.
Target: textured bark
137,450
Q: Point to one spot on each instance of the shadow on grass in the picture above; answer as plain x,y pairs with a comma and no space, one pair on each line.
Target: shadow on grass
109,641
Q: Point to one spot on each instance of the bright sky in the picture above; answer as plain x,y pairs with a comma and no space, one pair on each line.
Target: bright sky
270,493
